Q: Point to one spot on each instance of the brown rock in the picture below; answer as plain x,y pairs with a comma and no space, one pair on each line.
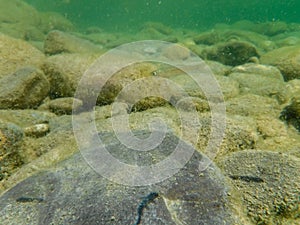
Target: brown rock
10,137
259,69
232,53
286,59
261,85
62,106
176,52
64,72
57,42
15,54
23,89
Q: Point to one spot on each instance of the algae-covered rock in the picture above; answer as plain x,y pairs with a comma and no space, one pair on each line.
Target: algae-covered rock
189,197
286,59
208,38
10,158
26,117
232,53
159,27
60,42
253,105
20,20
64,71
291,113
268,182
218,68
262,70
240,134
62,106
16,54
261,85
23,89
54,21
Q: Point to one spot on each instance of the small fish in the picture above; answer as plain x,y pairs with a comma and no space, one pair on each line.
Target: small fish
247,178
29,199
144,203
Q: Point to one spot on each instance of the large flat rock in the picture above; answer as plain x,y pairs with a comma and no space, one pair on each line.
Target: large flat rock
73,193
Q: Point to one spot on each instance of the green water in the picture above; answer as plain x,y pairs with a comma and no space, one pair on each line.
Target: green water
192,14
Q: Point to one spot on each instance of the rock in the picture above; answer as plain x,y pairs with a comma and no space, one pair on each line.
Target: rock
17,11
288,41
189,197
261,85
272,28
64,71
208,38
55,21
221,35
17,14
240,134
229,87
23,89
93,30
146,103
151,33
293,88
192,103
261,70
10,137
286,59
37,130
20,20
26,117
136,82
268,182
16,54
102,38
62,106
218,68
291,113
161,28
253,105
232,53
271,127
59,42
176,52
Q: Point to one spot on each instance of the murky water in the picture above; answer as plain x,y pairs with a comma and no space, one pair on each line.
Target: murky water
194,14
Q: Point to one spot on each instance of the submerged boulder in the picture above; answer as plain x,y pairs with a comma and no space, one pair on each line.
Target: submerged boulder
23,89
11,136
286,59
291,113
16,54
73,193
268,182
232,53
58,42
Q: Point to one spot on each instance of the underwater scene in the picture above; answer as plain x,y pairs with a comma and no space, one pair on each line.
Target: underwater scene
153,112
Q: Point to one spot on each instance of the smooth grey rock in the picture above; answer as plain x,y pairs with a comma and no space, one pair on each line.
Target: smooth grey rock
26,88
72,193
